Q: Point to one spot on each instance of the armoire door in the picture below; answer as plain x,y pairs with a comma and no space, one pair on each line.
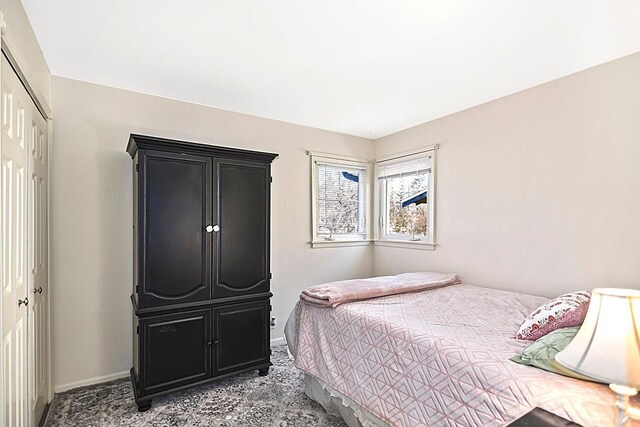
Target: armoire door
241,336
176,241
176,350
38,265
242,241
13,213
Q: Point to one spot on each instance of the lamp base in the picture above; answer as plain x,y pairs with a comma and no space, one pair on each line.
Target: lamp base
624,393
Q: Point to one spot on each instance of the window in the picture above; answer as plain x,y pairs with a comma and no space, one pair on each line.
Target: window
340,200
406,199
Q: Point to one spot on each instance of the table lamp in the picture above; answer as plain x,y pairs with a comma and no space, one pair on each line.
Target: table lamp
607,346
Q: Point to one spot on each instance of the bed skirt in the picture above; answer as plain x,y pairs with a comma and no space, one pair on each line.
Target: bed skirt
339,405
334,402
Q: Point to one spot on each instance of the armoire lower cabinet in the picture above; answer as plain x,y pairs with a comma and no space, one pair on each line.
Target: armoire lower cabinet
201,288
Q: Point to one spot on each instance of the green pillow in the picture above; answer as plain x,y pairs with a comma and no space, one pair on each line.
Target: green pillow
542,353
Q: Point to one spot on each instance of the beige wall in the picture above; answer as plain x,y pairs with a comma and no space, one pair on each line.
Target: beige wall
538,192
20,36
92,214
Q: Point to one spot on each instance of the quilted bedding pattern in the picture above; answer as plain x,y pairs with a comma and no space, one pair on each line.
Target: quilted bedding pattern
439,358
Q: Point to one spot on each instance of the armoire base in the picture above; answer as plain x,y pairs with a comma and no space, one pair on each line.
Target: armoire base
144,402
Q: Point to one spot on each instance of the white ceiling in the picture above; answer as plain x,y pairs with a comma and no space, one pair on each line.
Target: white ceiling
361,67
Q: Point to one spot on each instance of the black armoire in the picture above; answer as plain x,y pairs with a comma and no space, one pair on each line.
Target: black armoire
201,294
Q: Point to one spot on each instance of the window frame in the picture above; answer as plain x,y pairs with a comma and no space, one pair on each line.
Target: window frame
341,239
380,208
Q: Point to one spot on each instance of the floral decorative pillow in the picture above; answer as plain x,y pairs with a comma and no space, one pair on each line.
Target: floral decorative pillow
562,312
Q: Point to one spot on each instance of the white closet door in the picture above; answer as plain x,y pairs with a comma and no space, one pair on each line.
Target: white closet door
13,224
38,268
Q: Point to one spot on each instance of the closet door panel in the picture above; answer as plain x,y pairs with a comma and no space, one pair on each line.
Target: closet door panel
38,265
242,243
177,210
14,267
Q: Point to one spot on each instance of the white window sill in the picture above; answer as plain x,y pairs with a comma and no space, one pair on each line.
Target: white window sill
339,243
407,244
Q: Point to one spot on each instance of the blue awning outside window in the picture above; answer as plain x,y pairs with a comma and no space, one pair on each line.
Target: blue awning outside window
417,198
350,176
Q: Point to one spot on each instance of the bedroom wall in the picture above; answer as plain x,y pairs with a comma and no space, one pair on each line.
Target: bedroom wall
538,192
92,214
29,56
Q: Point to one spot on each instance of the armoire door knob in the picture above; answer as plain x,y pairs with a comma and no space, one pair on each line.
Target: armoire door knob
211,228
23,301
37,291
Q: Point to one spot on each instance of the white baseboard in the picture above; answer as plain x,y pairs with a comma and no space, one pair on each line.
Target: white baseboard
277,341
111,377
90,381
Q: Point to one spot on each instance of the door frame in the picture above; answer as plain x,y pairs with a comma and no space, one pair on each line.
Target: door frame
11,48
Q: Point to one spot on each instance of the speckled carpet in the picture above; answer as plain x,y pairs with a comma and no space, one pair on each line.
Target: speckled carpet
243,400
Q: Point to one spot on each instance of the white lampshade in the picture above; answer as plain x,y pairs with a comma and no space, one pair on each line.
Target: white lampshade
607,346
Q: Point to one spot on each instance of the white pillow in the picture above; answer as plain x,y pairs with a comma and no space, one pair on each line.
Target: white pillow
562,312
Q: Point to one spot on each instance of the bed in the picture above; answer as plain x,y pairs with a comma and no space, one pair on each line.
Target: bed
438,357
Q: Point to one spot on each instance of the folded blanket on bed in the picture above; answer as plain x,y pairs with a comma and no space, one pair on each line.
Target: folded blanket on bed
336,293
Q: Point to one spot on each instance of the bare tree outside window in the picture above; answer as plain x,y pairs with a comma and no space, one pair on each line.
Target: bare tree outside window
339,200
407,218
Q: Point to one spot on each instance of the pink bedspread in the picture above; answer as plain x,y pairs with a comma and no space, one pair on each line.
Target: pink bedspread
439,358
336,293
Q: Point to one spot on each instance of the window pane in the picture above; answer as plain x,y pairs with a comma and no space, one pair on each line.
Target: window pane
407,204
340,202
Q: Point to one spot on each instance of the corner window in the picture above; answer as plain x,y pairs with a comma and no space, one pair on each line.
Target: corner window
340,200
406,199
